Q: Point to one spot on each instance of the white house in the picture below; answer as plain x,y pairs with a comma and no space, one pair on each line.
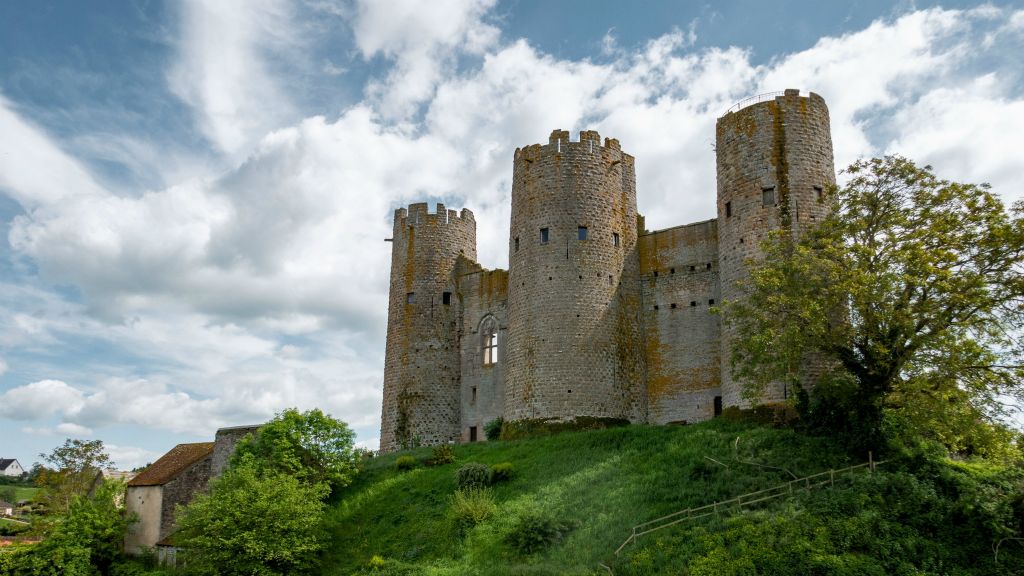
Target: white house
10,467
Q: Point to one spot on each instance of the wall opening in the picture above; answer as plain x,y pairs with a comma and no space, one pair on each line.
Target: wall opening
728,209
472,397
616,241
446,298
517,243
543,235
693,303
581,232
489,340
711,302
472,433
819,194
410,297
718,405
768,196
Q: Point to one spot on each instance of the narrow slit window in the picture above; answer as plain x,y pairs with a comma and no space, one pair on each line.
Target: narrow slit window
517,243
489,341
616,241
473,396
582,232
768,196
410,297
446,298
543,235
728,209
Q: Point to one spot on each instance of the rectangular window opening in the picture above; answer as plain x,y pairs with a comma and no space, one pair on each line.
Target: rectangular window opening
410,297
819,194
693,303
543,235
616,241
473,397
693,268
711,302
728,209
768,196
446,298
517,243
582,232
718,405
472,433
673,306
709,266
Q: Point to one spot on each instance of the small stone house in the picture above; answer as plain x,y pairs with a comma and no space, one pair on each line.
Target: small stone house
6,508
152,495
10,467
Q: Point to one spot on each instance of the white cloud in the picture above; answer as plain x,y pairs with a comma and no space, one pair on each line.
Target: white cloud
223,71
421,38
71,429
39,400
130,457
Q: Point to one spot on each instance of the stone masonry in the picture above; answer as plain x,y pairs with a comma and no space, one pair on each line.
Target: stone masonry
596,317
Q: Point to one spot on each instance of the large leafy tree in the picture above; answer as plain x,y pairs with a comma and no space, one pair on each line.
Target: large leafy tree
75,469
254,521
311,446
909,299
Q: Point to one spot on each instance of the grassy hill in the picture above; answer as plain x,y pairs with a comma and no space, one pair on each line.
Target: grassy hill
577,495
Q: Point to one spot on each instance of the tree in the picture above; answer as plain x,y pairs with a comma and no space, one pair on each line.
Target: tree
76,465
311,446
912,294
254,520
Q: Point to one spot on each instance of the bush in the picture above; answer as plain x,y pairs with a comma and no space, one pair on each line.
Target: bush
536,530
405,463
492,430
502,472
473,475
471,506
442,454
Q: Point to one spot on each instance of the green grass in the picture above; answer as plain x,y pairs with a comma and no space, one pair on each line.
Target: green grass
913,516
25,493
602,482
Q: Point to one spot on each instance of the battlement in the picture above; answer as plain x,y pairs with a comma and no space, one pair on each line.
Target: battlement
419,213
560,142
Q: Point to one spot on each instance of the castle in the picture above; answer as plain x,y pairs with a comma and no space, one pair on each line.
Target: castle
595,317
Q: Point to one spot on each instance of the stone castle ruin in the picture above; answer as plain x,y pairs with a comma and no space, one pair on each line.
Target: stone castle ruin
595,317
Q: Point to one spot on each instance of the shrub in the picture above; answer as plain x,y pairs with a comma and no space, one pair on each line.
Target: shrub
471,506
473,475
502,472
535,530
405,463
442,454
493,429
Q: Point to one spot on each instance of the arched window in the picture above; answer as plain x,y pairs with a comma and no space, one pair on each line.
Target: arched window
489,340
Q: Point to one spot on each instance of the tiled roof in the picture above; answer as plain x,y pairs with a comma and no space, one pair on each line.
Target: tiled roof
171,464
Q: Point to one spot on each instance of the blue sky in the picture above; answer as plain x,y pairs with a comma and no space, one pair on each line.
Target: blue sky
194,194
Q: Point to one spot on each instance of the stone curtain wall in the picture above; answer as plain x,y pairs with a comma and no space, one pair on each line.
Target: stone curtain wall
224,446
180,491
573,308
421,361
785,146
679,275
483,293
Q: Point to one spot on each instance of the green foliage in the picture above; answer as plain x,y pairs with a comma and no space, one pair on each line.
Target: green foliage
441,454
85,541
9,494
535,530
75,467
469,507
254,520
473,475
311,446
502,472
404,463
492,430
532,428
913,289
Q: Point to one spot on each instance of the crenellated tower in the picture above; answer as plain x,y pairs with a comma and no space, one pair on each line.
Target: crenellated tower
574,340
421,365
775,167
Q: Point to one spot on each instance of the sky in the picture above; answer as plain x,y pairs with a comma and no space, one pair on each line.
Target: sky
194,195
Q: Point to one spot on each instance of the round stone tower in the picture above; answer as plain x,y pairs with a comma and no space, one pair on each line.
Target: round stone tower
574,294
421,361
774,156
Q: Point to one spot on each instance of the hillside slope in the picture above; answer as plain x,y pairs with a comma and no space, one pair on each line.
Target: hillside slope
577,495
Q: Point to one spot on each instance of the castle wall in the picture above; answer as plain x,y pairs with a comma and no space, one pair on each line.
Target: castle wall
224,446
680,283
484,295
574,345
145,503
180,490
422,357
783,146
